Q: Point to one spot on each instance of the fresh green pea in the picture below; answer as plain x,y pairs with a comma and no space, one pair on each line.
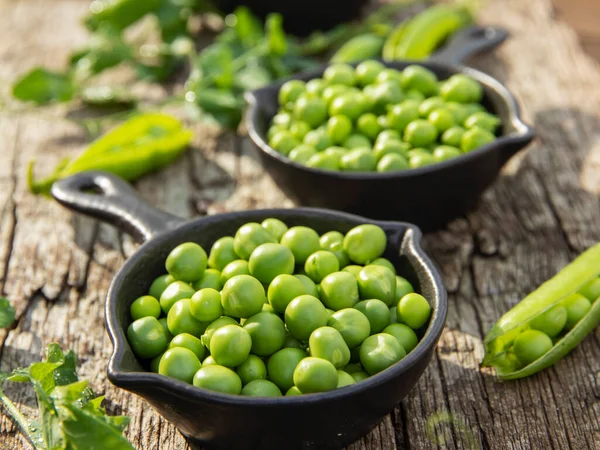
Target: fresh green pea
180,363
302,153
340,74
413,310
299,129
237,267
462,89
384,94
269,260
389,76
334,242
159,285
180,319
344,379
577,306
281,366
283,141
165,327
378,282
405,335
187,262
230,345
293,391
591,290
302,241
353,269
484,120
332,91
205,305
367,125
357,141
420,133
552,321
275,227
387,135
211,278
312,110
218,379
250,236
267,331
209,361
320,264
327,343
420,160
413,94
291,342
445,152
290,91
475,138
214,326
383,148
383,262
352,324
393,315
147,337
530,345
222,253
261,388
309,285
429,105
282,119
155,362
282,290
336,152
252,369
403,287
453,136
190,342
441,119
339,128
365,243
376,312
353,368
243,296
145,306
318,139
305,314
268,309
316,87
349,104
359,160
367,71
339,290
420,79
324,161
399,116
380,351
360,376
315,375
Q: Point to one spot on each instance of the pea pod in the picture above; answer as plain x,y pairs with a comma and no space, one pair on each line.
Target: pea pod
393,40
500,339
364,46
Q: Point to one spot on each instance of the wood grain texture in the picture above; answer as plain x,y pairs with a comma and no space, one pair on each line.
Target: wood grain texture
542,212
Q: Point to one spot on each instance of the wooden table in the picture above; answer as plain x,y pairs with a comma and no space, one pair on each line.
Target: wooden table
543,211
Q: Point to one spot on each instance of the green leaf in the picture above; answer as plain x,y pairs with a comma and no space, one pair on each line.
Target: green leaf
70,393
276,37
247,27
42,86
43,374
7,313
252,77
119,13
222,105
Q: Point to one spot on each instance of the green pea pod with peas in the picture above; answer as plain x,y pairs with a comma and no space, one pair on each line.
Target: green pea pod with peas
144,143
549,322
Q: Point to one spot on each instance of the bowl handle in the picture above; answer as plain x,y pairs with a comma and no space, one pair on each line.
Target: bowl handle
469,42
114,201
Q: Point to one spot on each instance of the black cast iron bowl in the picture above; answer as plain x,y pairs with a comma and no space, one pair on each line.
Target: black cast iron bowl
429,196
317,421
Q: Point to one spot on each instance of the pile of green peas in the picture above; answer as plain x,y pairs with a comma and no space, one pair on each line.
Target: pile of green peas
278,311
545,330
374,118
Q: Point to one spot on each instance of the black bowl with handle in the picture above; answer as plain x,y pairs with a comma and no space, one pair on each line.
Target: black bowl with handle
328,420
428,196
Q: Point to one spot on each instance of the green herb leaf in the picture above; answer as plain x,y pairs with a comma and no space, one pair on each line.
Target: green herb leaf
247,27
119,13
42,86
222,105
7,313
275,35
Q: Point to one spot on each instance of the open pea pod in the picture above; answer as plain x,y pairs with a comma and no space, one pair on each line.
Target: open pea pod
499,341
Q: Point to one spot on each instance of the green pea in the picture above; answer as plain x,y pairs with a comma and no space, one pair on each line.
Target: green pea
269,260
405,335
291,342
261,388
383,148
268,309
237,267
380,351
365,243
327,343
349,104
420,160
420,133
282,119
353,368
316,87
190,342
165,327
218,379
530,345
147,337
357,141
389,76
376,312
353,269
302,241
250,236
475,138
180,363
429,105
577,306
315,375
267,331
420,79
344,379
441,119
211,278
340,74
209,361
243,296
399,116
413,310
484,120
145,306
445,152
312,110
155,362
293,391
309,285
453,136
367,125
230,345
318,139
222,253
282,290
377,281
383,262
339,290
205,305
305,314
180,319
387,135
283,141
384,94
591,290
159,285
339,128
552,321
413,94
352,324
320,264
332,91
462,89
360,376
290,91
214,326
403,287
367,71
302,153
393,315
359,160
323,161
334,242
275,227
281,366
252,369
187,262
335,152
299,129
